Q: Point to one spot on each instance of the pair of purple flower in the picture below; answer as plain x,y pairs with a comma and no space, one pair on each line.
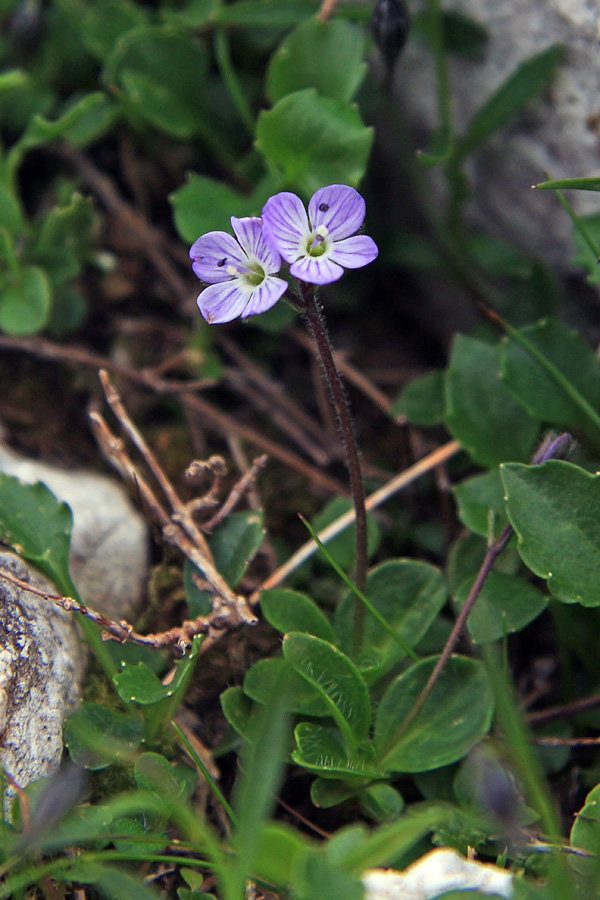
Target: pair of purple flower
241,274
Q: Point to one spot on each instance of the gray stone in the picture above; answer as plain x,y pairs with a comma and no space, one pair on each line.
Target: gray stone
41,665
41,654
558,132
109,543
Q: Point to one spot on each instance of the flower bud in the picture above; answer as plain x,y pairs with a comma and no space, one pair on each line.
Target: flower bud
390,25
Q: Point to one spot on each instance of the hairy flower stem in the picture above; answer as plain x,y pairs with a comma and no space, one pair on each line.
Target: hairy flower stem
309,307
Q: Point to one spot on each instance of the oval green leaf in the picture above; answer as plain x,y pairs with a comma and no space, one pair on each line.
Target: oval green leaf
25,305
505,604
161,73
327,56
337,680
303,698
322,751
571,356
457,715
288,610
480,412
554,511
409,594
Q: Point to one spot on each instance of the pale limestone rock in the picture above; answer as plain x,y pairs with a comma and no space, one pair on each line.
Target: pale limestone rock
437,873
41,665
558,132
109,543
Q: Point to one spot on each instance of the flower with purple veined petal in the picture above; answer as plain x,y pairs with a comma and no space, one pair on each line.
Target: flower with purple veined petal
319,246
240,273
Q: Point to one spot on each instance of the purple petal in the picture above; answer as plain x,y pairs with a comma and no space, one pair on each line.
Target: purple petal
316,270
354,252
285,224
249,233
222,302
266,296
213,253
339,208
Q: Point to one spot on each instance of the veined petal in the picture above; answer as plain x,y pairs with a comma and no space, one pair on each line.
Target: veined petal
339,208
265,296
222,302
249,233
213,253
316,270
285,224
354,252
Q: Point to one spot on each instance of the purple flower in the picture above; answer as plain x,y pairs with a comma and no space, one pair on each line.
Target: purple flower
317,246
240,274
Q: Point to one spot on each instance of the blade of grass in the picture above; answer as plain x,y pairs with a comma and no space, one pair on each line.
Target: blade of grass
206,774
364,600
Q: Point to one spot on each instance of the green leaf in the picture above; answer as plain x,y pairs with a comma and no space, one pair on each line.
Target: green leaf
336,679
96,736
409,594
103,24
585,833
325,792
288,610
422,400
456,715
237,709
554,511
321,750
480,411
342,548
265,13
198,601
203,204
327,56
279,849
534,387
479,496
162,74
38,527
12,217
381,802
574,184
585,255
314,140
63,239
40,130
235,542
303,698
462,35
233,545
25,302
138,684
520,87
391,842
155,774
505,604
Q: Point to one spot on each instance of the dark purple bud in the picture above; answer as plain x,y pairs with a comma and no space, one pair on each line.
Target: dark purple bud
555,446
390,24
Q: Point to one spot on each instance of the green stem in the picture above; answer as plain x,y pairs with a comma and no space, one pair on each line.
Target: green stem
231,80
309,306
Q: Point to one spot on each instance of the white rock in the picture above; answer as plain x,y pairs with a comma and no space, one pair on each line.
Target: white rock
559,131
109,543
436,873
41,665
